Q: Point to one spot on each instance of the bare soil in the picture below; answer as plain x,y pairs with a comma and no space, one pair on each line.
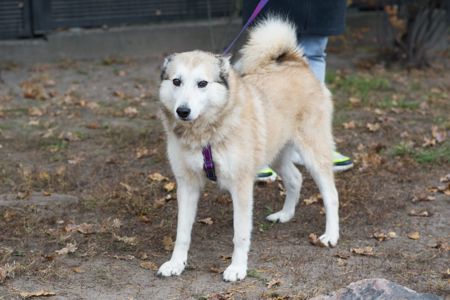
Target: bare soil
89,129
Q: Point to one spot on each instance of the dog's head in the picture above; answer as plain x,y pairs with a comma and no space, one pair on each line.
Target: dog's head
194,84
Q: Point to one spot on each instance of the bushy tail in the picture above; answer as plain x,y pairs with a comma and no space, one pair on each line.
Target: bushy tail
273,39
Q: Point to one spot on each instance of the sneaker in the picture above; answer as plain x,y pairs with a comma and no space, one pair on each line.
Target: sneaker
341,162
266,175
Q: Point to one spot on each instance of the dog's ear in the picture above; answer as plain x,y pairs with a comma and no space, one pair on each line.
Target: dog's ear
225,66
164,67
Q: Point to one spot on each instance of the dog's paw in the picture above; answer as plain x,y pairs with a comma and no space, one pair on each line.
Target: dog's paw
234,273
170,268
329,240
281,217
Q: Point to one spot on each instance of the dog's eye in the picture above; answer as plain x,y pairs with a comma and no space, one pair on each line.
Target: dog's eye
176,82
202,84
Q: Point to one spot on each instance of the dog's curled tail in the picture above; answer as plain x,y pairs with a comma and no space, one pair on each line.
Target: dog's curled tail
273,39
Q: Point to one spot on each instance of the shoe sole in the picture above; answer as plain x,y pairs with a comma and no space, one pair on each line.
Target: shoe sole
342,168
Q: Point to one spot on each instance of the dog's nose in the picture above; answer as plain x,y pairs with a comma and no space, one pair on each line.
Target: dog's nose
183,112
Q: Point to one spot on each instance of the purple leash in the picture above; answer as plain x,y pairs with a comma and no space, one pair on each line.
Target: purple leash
252,18
208,162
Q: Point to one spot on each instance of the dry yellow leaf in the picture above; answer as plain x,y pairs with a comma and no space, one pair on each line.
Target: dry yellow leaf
415,235
274,282
157,177
168,243
373,126
365,251
148,265
69,248
170,186
40,293
207,221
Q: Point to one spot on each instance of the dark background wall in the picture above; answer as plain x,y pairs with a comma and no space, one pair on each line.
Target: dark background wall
31,18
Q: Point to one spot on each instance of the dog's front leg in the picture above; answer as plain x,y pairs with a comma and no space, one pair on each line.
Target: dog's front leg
242,195
188,193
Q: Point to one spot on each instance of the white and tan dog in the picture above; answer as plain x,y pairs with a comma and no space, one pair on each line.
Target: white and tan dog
268,109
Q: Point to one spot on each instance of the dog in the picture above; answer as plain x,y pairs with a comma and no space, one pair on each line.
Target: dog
266,109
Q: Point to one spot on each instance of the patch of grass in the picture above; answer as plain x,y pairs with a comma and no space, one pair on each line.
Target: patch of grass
115,60
53,144
403,103
253,273
440,153
434,155
359,86
264,226
16,112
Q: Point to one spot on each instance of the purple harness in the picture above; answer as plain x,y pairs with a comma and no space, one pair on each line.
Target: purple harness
208,163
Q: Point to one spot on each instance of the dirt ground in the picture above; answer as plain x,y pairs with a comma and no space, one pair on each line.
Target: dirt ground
89,129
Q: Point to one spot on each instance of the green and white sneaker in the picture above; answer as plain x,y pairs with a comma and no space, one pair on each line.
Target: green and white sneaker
266,175
341,162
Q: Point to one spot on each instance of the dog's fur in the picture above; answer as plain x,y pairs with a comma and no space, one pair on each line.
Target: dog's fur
265,110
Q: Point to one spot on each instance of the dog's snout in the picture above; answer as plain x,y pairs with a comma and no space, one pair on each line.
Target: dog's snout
183,112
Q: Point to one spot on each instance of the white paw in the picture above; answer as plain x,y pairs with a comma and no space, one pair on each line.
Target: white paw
170,268
329,240
234,273
281,217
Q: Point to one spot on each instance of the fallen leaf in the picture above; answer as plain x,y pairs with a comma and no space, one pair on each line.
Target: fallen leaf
120,94
144,219
215,270
273,283
83,228
225,257
373,126
423,197
148,265
69,248
365,251
2,275
415,235
92,125
124,257
129,240
314,240
157,177
131,112
354,101
392,234
35,112
141,152
168,243
445,178
159,203
342,255
116,223
170,186
40,293
77,270
349,125
380,236
313,199
419,213
207,221
441,245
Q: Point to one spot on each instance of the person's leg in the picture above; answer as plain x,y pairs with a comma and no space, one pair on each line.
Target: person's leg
314,51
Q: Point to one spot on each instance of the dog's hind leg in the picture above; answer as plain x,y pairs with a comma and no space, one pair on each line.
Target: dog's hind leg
188,193
292,180
242,195
317,157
